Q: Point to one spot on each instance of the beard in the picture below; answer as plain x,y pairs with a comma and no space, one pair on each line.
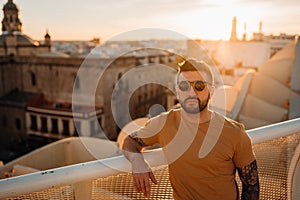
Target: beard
196,109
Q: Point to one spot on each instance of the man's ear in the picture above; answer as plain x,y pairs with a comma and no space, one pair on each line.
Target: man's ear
211,90
176,91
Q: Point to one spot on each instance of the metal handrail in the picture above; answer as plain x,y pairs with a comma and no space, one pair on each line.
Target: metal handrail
111,166
273,131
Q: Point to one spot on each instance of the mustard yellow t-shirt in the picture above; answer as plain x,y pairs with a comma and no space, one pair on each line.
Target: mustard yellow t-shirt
202,157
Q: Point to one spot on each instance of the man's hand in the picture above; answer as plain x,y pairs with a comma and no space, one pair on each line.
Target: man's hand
141,174
142,183
141,170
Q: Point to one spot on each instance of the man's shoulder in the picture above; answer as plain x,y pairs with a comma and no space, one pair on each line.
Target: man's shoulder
230,123
163,117
172,113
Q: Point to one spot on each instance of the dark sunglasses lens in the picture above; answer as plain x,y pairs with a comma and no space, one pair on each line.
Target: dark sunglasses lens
184,85
199,85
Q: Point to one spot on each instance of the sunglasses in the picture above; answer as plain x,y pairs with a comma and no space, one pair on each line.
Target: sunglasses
197,85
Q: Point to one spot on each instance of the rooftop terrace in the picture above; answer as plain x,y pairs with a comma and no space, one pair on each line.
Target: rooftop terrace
276,147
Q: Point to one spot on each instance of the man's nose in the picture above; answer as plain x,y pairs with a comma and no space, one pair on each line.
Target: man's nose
192,91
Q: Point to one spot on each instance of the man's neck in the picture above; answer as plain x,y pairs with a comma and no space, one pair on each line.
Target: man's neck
204,116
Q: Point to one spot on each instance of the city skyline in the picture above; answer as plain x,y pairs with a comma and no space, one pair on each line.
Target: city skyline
204,19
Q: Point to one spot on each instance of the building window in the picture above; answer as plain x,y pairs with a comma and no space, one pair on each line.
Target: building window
66,129
33,79
77,128
44,128
18,124
77,82
100,121
54,123
92,127
33,125
4,121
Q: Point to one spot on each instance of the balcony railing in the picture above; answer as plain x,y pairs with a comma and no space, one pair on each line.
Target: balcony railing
271,143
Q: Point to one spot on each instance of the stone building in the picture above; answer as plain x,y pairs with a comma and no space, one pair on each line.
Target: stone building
13,41
37,87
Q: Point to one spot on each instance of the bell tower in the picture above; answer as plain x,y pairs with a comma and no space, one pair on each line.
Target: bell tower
47,41
233,36
11,21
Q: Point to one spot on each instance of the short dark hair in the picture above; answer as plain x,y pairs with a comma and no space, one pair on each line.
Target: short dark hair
192,64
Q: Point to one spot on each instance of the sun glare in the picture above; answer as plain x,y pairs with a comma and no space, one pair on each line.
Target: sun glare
215,22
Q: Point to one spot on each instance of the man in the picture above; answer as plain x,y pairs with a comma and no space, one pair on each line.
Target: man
203,148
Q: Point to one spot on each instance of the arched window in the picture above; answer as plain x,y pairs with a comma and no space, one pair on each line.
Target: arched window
77,129
44,128
33,79
18,124
54,123
92,127
76,81
33,125
66,129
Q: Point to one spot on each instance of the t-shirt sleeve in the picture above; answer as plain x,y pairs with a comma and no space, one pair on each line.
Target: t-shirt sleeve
244,154
150,133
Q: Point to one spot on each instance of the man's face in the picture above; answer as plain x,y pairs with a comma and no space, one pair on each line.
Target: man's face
193,92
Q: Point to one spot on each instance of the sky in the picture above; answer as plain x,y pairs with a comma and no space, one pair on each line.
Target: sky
201,19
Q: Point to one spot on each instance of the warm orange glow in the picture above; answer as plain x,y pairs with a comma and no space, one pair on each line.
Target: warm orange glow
215,22
204,19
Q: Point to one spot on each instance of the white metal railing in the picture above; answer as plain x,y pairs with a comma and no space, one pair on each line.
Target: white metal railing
273,131
102,168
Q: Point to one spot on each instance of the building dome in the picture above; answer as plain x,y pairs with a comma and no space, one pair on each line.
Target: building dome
10,6
21,39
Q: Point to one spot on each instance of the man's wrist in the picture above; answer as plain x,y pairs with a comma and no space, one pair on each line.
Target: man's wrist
135,157
138,163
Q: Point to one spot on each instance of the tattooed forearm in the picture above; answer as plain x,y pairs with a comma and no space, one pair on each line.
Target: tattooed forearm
249,177
138,140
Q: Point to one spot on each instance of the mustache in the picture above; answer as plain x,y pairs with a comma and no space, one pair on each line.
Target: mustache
192,98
